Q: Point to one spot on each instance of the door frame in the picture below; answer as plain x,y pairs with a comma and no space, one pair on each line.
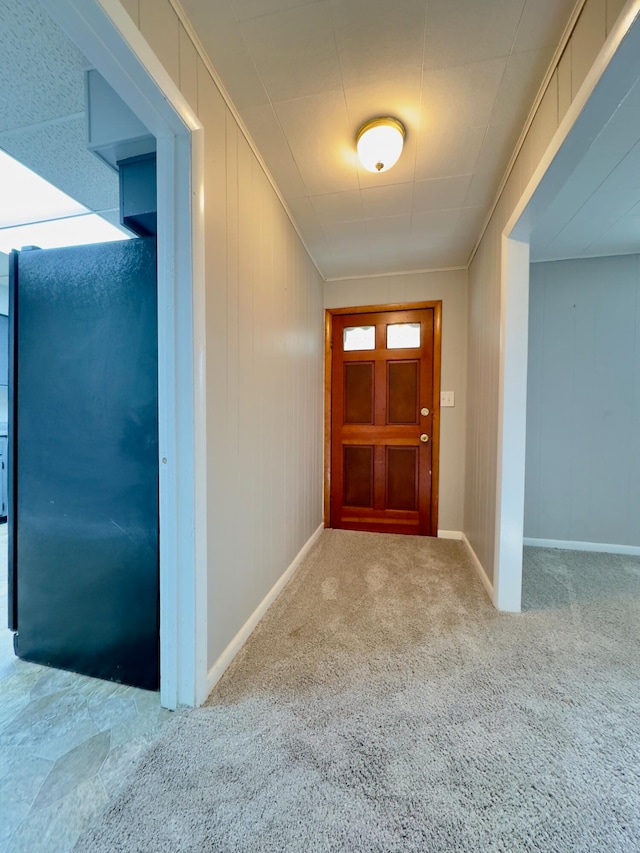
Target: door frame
103,31
329,314
614,72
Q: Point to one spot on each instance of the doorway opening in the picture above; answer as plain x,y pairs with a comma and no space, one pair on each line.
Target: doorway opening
105,34
581,159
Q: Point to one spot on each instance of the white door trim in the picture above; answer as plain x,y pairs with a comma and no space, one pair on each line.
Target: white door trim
104,33
512,424
612,74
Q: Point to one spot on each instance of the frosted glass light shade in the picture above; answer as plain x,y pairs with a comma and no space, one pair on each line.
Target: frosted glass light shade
379,144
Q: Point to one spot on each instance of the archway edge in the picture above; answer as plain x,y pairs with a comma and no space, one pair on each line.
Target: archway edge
614,72
106,35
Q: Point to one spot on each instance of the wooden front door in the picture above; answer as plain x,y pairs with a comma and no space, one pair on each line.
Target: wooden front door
384,420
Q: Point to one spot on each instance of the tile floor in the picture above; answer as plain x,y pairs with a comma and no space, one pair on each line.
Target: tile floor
67,743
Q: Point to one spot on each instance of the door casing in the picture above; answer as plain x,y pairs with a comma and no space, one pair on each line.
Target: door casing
107,36
436,305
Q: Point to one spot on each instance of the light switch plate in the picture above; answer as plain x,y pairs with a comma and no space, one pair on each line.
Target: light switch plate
447,398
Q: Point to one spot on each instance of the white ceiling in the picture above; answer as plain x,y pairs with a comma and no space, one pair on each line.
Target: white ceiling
304,74
597,211
42,107
460,74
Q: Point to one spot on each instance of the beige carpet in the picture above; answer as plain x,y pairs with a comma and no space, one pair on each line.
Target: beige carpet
383,705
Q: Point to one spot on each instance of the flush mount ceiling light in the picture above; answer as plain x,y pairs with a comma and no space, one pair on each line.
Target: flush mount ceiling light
379,143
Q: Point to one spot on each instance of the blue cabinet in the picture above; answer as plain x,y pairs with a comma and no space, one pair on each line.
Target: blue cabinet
3,478
4,379
4,349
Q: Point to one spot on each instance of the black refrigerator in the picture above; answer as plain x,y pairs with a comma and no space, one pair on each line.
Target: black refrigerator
83,459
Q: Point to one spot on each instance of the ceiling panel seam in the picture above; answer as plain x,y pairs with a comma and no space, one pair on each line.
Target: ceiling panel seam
420,117
41,125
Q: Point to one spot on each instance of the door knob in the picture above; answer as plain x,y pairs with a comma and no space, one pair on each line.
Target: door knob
424,437
424,412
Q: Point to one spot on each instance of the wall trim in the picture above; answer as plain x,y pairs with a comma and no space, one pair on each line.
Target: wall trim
520,227
392,274
204,56
451,534
570,545
226,658
477,565
512,424
546,80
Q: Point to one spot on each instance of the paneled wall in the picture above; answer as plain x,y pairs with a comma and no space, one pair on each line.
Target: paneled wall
593,25
264,354
451,288
583,406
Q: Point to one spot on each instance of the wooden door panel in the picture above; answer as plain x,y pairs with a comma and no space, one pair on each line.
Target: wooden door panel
381,356
379,521
403,392
358,488
393,434
402,478
358,392
380,469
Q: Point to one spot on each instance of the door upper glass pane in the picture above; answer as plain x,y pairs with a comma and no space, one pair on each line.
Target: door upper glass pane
359,337
403,336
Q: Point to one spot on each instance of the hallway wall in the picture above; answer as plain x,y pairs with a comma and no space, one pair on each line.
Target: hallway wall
583,401
451,287
485,284
265,350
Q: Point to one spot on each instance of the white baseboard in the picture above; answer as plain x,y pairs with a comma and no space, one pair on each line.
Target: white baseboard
217,670
486,583
450,534
597,547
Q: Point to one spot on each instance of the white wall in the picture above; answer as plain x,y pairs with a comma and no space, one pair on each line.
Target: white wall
264,358
583,408
486,285
451,288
